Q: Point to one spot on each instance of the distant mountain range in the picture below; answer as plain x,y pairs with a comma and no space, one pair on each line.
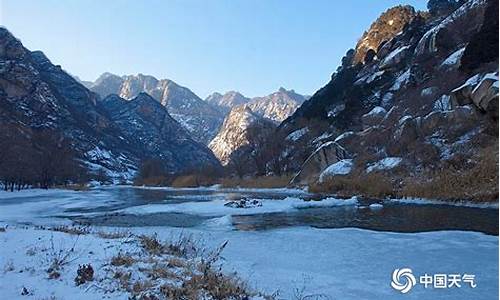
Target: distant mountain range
112,134
199,118
276,106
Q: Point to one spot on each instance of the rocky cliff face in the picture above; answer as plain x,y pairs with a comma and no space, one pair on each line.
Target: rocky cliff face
276,106
388,25
412,102
35,94
262,110
234,132
227,101
199,118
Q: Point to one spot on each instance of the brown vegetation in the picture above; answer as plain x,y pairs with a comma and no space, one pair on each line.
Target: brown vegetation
465,179
374,184
41,158
461,178
257,182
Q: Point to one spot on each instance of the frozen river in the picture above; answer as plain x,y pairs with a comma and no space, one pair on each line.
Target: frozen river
342,249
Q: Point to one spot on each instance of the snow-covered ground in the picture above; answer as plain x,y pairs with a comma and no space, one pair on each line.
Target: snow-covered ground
339,263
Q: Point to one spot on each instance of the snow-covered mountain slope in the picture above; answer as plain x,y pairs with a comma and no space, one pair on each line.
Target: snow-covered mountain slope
417,97
234,132
198,117
36,94
233,135
148,126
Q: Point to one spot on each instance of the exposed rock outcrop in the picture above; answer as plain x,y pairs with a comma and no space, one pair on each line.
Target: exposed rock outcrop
412,101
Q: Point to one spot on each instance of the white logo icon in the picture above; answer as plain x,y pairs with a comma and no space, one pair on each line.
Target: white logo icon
403,280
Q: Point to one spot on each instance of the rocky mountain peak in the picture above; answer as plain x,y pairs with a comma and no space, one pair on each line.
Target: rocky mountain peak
388,25
195,115
227,101
234,132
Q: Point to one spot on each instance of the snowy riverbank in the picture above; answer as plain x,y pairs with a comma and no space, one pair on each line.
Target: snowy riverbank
340,263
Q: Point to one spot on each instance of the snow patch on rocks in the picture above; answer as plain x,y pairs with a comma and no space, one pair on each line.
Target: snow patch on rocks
384,164
297,134
342,167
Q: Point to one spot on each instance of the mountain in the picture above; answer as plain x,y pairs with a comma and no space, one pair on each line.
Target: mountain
235,131
278,105
147,125
199,118
244,113
85,83
227,101
418,95
35,94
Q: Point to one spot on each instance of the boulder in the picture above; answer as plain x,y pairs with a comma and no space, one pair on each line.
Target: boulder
462,94
442,104
342,167
432,122
407,131
485,94
374,117
326,155
395,58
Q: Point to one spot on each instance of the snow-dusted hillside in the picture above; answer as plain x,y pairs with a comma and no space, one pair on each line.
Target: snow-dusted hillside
37,95
199,118
234,132
276,106
421,87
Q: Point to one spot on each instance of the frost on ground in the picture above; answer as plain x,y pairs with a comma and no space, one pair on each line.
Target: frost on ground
73,263
338,263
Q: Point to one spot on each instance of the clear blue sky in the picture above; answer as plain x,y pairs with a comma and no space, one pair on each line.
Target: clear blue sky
253,46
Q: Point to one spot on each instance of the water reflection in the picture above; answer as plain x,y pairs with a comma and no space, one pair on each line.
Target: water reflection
392,216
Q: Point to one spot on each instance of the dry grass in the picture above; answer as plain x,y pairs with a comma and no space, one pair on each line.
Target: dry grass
122,259
112,235
473,179
186,181
461,178
75,230
375,184
182,246
257,182
151,244
153,181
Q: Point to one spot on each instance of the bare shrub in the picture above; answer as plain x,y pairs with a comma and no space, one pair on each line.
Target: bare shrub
58,258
